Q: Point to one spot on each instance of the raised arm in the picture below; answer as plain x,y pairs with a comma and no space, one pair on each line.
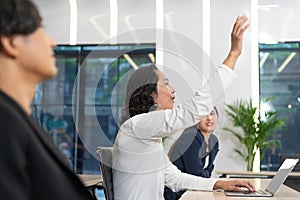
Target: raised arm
174,120
237,34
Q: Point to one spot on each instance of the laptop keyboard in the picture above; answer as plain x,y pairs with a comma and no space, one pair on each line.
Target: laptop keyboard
261,192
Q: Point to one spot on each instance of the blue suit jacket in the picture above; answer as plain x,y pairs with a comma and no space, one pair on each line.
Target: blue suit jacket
189,155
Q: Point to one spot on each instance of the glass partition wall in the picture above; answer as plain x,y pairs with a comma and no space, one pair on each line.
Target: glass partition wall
280,80
91,79
88,85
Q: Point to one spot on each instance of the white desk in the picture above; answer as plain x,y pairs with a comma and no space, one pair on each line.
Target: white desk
284,193
250,174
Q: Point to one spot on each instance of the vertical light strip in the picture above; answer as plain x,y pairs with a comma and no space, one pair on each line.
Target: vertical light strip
254,53
159,33
73,22
206,26
205,40
255,67
113,31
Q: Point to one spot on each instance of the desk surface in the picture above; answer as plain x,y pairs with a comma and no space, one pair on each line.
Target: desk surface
284,193
250,173
91,179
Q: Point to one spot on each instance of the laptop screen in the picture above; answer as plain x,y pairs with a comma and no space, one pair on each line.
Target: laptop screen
284,170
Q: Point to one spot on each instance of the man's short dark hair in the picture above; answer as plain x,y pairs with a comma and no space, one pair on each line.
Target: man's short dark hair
18,17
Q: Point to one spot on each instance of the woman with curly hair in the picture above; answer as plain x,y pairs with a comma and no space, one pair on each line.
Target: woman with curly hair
140,166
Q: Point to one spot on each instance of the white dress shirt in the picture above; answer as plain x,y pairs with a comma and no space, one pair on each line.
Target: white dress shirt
140,166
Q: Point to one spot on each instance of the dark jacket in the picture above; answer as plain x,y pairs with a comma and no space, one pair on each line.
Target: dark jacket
31,166
189,155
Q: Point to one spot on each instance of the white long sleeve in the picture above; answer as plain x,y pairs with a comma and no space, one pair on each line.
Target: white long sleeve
140,166
176,180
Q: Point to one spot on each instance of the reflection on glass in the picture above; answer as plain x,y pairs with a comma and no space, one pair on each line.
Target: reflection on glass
280,79
87,94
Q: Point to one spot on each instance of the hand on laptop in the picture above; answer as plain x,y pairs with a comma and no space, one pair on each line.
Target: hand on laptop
233,185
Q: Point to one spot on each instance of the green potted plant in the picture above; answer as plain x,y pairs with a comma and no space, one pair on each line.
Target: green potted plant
253,131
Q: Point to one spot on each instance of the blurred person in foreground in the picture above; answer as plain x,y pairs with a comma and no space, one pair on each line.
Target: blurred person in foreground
31,167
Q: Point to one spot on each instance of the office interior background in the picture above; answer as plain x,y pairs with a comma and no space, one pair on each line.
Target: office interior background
96,39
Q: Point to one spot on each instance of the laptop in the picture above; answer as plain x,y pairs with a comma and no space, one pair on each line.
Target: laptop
282,173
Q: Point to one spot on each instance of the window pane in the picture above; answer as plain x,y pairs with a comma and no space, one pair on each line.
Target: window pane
90,100
280,78
59,124
100,79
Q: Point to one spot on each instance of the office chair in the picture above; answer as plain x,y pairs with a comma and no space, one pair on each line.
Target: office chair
105,155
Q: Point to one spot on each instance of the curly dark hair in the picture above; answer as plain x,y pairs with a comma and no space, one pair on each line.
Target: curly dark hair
18,17
140,87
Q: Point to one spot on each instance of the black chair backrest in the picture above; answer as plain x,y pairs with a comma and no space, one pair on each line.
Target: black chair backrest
282,157
105,155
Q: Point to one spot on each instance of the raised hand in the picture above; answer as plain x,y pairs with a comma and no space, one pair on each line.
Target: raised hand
237,34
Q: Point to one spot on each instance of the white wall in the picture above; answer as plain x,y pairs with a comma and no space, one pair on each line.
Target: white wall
223,15
279,20
56,19
183,40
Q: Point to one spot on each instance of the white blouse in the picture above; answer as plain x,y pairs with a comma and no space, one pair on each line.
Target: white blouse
140,166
